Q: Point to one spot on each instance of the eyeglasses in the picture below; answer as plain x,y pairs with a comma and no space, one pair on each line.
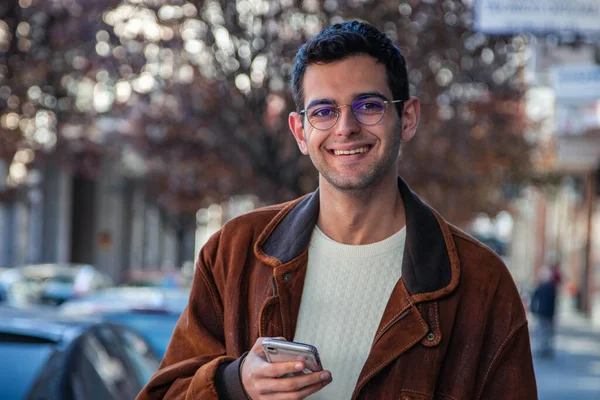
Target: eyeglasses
368,110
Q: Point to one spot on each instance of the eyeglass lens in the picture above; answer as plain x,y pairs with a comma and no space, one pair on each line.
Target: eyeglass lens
367,110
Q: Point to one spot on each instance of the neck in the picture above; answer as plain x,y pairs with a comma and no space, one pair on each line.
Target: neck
361,218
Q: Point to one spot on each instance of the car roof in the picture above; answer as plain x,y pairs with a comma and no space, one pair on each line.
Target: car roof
42,323
128,298
49,270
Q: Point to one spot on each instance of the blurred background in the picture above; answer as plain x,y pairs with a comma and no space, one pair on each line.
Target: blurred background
131,130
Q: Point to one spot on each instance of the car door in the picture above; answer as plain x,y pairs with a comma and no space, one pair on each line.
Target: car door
140,358
100,368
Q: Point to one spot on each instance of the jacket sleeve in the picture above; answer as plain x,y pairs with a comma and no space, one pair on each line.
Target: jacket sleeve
196,364
510,376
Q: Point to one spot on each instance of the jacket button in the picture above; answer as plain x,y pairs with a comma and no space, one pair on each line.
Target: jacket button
431,336
287,277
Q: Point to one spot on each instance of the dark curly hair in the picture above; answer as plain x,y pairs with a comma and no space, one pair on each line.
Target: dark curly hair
346,39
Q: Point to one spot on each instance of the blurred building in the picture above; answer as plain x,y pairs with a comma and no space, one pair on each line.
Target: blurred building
568,66
558,221
112,222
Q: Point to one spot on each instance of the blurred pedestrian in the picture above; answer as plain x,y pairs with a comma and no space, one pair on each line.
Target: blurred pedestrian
399,303
543,306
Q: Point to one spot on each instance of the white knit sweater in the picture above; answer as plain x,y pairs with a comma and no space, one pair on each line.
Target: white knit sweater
345,293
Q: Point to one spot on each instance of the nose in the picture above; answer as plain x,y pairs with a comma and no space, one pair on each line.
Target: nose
347,123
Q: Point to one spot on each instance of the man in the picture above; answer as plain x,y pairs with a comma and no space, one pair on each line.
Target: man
543,306
400,304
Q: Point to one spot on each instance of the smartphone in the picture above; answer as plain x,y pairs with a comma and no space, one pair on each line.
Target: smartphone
280,350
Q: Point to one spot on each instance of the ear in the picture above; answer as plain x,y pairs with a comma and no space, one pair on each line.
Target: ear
411,115
295,121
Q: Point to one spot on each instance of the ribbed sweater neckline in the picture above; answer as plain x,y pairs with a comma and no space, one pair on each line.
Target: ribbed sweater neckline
321,242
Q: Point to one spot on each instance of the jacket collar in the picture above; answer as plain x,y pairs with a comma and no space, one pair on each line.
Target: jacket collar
430,266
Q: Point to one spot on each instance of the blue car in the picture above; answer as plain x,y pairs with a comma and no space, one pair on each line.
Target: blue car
151,311
46,356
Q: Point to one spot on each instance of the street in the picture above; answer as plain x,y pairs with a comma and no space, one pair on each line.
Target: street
574,371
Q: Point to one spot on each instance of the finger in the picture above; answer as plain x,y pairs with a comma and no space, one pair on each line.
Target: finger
257,348
308,390
300,382
257,343
279,369
299,394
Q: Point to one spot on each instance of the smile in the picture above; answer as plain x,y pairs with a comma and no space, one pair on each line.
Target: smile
360,150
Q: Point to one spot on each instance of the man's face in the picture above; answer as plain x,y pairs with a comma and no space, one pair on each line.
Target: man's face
349,156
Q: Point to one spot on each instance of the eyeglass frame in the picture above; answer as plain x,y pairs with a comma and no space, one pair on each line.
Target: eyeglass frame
386,102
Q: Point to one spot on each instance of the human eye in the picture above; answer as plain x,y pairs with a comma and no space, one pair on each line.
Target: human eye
322,112
371,105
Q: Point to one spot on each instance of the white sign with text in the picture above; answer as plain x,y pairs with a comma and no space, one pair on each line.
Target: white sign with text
537,16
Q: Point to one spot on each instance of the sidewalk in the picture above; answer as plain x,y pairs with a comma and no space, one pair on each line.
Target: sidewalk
574,372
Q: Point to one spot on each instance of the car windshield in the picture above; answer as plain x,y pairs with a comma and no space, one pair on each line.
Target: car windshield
20,364
156,328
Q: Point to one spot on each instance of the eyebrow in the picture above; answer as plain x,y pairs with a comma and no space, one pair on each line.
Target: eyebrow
355,96
370,94
319,101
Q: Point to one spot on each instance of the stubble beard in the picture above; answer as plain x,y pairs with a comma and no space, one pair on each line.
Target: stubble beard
358,186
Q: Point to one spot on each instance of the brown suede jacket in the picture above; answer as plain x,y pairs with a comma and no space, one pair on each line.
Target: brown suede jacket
454,327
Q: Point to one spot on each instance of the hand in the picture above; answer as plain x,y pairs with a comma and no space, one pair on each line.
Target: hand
264,381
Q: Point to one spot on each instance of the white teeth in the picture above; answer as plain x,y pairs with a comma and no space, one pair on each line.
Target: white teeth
363,149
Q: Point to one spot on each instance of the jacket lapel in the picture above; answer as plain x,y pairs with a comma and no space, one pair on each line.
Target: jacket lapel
401,327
